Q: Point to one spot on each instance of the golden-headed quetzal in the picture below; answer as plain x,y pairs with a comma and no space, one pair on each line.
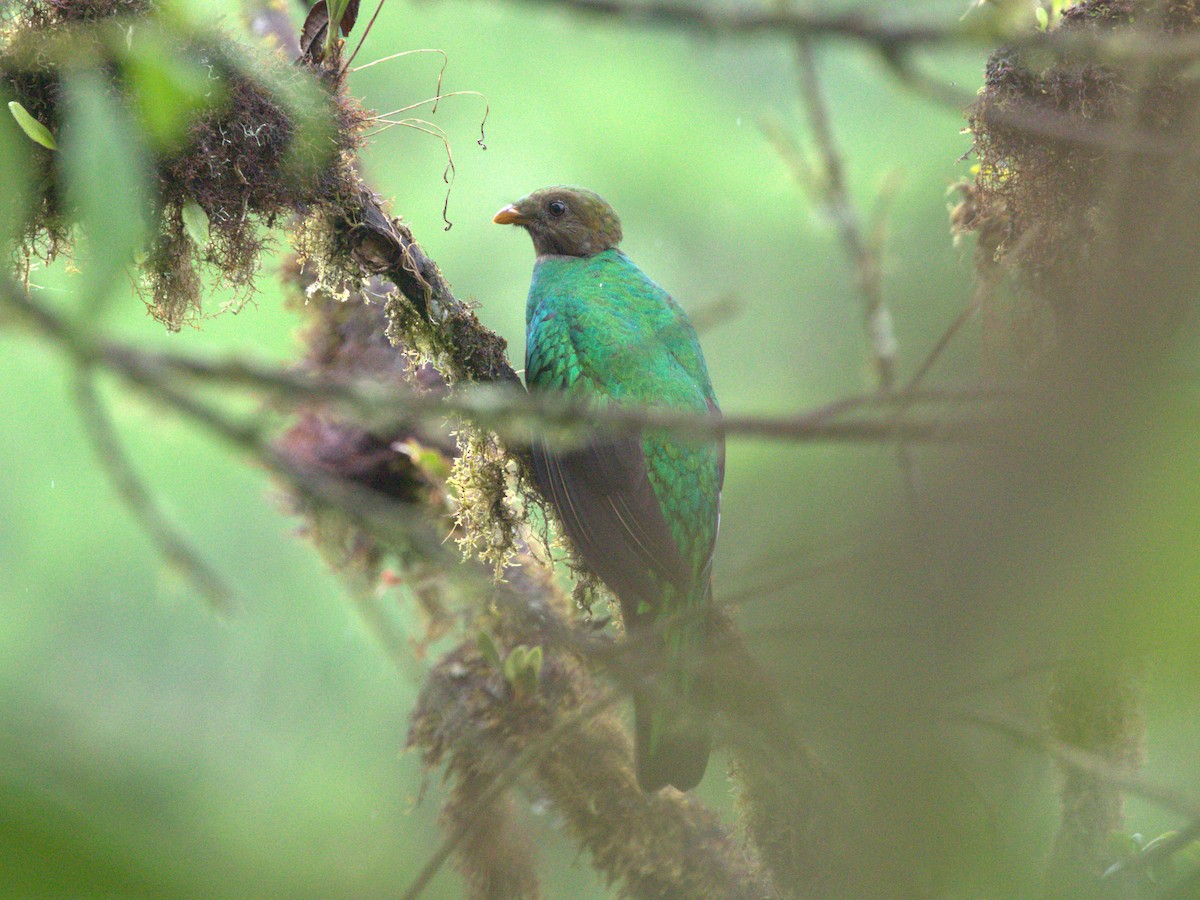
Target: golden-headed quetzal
642,508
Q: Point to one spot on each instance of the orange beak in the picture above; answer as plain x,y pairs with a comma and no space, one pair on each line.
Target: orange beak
509,216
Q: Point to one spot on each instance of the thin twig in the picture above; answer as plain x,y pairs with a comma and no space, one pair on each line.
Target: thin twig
829,188
392,639
366,31
964,316
835,196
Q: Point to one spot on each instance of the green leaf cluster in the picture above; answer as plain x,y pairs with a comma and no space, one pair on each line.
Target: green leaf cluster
522,667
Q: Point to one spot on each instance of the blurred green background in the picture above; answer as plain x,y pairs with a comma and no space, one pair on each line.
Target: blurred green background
146,748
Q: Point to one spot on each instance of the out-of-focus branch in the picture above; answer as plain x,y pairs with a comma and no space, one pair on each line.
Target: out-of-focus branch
1097,765
794,21
389,520
510,411
895,42
889,36
941,344
140,502
867,418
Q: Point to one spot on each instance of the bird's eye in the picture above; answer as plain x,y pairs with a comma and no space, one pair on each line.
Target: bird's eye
556,208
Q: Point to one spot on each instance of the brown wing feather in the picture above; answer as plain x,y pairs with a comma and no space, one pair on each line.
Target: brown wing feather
610,512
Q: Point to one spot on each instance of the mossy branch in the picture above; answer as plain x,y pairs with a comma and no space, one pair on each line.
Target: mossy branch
566,740
497,856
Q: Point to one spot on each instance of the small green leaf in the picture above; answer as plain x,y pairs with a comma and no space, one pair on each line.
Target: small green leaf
430,461
531,672
195,222
1153,844
1043,18
514,664
487,649
17,179
34,130
1162,866
523,669
533,662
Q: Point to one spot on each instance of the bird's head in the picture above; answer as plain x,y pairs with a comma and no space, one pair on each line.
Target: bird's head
565,221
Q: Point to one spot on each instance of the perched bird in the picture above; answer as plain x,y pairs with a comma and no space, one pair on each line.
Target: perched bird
642,509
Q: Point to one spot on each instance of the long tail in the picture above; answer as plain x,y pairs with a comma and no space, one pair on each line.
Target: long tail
672,714
672,739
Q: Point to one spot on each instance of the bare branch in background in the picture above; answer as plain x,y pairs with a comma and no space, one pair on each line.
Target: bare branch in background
826,183
799,22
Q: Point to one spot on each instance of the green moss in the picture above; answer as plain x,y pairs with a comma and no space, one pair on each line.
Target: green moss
488,524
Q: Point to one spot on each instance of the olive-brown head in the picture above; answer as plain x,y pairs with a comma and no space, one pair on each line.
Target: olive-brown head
565,221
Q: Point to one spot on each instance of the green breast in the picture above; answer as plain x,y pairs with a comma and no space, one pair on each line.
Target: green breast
599,328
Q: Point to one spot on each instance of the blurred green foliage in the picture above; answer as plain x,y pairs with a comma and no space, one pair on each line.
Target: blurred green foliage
105,169
151,750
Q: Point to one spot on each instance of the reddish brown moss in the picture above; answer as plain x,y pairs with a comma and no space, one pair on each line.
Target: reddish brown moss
241,160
